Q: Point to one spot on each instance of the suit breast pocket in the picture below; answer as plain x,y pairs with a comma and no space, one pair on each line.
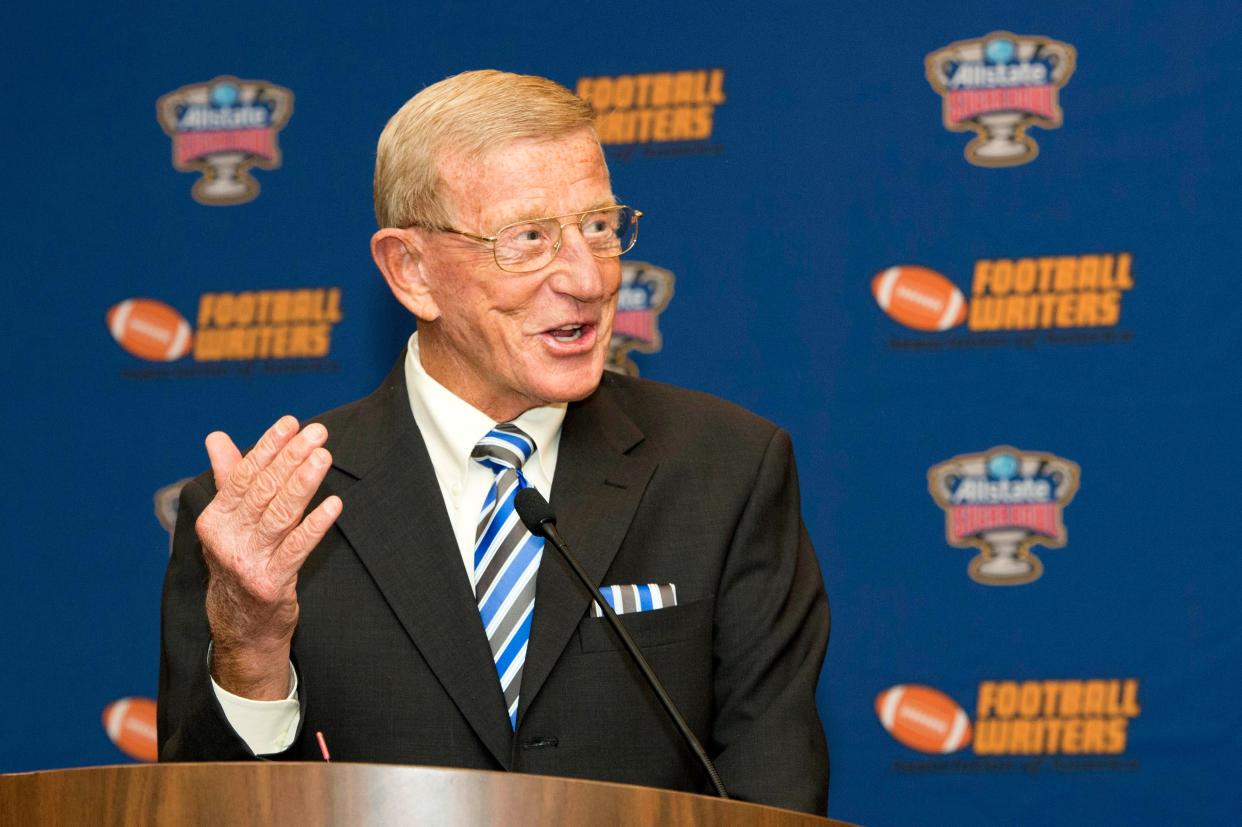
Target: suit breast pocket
656,627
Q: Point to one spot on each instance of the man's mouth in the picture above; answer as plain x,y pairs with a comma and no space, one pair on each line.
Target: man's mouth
571,339
567,333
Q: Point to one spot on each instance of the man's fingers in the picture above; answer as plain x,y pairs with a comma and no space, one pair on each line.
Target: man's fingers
223,455
272,482
243,473
303,539
273,478
286,507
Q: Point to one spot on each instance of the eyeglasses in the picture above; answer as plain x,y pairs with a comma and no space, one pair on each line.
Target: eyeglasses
526,246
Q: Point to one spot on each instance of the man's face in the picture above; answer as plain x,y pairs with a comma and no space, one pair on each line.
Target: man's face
507,342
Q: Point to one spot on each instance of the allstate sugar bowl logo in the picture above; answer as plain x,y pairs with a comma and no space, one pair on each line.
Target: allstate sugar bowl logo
645,292
998,86
222,128
1002,502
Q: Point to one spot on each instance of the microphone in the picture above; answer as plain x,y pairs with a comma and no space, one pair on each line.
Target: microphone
540,520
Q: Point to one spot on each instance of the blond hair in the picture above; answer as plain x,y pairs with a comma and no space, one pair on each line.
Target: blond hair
469,113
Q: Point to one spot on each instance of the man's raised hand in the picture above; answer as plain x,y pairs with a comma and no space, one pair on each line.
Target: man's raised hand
254,542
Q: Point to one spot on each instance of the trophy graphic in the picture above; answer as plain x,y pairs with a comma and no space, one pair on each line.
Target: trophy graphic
1002,502
167,500
645,292
998,86
222,128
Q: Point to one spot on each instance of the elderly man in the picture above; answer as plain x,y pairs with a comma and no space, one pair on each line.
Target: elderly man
364,576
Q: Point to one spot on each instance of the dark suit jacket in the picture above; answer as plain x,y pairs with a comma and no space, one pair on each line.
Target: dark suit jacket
653,485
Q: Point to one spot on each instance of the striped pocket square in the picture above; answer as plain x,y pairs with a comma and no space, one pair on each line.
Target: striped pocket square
637,597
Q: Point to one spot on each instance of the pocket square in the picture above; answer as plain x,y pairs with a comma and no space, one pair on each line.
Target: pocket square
636,597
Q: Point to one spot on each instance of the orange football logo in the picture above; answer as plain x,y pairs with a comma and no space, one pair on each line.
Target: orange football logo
919,298
923,718
130,723
150,330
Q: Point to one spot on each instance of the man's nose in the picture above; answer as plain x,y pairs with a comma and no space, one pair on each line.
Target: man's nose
576,270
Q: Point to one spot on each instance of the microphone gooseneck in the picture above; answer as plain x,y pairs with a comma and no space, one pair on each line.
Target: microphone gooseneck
540,520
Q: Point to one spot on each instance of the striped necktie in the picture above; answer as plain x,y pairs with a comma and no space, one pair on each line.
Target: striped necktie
506,558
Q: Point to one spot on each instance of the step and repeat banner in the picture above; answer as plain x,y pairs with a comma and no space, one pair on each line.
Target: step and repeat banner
981,262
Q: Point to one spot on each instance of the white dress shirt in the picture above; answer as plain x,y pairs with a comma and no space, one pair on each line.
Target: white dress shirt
450,427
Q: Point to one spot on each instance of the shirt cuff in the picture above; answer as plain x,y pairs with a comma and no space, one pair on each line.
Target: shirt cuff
265,726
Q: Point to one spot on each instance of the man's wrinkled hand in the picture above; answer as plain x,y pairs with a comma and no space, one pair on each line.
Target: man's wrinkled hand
254,542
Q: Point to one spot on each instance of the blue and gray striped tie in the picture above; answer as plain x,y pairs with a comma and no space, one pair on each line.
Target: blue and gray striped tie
506,558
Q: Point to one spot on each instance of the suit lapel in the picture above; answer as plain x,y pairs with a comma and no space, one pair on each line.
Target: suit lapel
595,493
395,520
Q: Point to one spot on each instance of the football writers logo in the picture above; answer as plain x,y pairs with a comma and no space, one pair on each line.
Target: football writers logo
150,329
222,128
130,724
663,114
923,718
919,298
645,292
246,326
998,86
1048,299
1002,502
1063,719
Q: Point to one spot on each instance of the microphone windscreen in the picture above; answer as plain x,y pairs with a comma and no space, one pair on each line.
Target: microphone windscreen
534,510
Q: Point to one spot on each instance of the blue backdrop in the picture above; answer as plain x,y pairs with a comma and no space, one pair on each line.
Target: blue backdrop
804,188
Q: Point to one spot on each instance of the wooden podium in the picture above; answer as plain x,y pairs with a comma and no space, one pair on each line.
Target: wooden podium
307,795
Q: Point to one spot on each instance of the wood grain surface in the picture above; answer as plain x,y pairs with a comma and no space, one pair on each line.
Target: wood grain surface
307,795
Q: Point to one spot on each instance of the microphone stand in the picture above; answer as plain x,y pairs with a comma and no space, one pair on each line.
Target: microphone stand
540,520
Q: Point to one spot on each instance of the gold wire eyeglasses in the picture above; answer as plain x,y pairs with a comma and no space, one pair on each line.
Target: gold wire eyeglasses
526,246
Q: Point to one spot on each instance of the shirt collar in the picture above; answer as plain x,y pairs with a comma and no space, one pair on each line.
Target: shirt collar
451,426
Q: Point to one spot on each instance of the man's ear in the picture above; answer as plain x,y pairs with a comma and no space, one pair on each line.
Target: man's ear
398,255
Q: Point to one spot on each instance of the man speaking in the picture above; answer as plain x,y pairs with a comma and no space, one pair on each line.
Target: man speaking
366,577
